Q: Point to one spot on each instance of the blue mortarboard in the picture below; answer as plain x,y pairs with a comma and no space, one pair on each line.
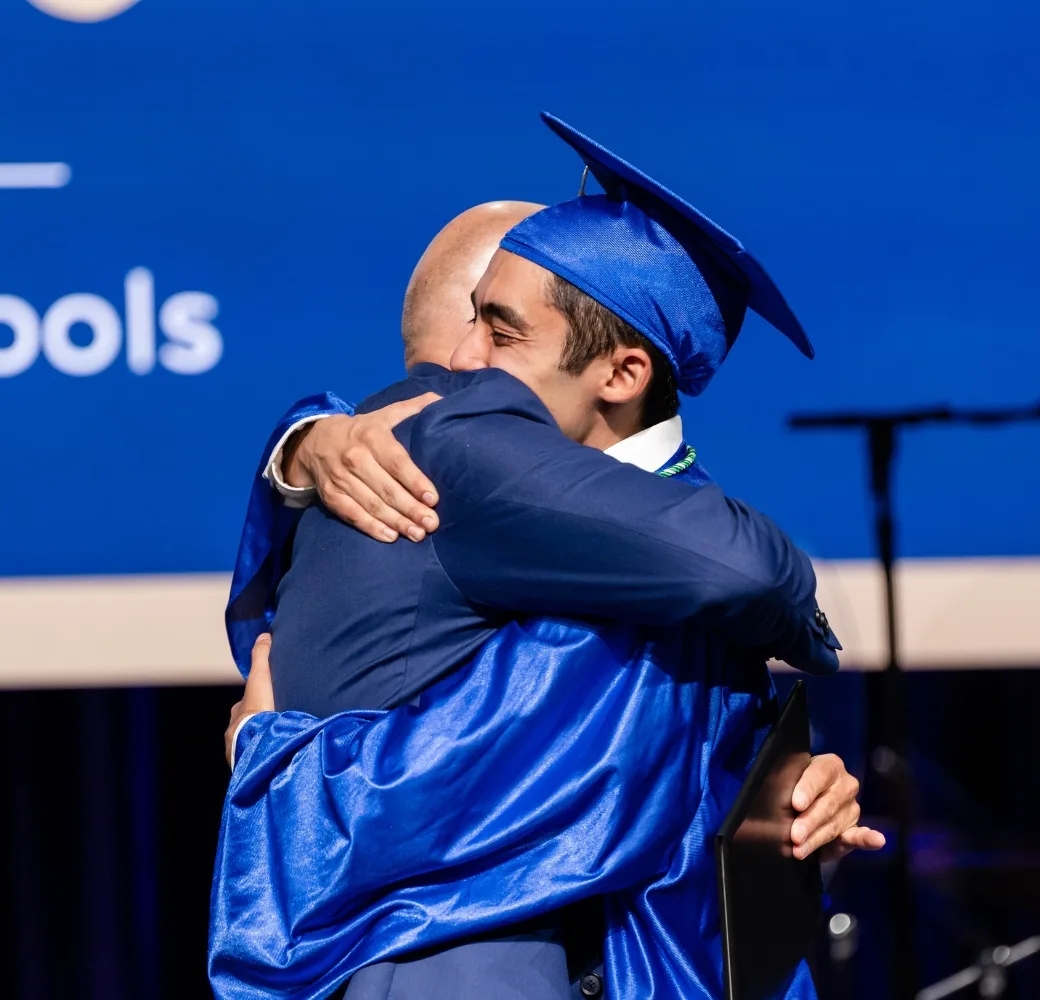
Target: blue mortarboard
656,262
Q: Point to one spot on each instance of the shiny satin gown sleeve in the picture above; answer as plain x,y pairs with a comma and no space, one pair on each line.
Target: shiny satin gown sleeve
262,552
532,522
558,764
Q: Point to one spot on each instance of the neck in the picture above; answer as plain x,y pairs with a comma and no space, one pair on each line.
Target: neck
612,424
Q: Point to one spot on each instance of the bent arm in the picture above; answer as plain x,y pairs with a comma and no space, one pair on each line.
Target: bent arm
534,523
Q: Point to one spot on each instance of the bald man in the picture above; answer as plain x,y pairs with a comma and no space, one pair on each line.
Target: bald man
342,458
437,299
355,464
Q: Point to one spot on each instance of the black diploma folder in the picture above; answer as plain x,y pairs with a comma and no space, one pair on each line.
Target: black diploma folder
770,903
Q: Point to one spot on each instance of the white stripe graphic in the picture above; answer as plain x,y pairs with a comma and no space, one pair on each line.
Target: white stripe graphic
34,175
952,614
99,631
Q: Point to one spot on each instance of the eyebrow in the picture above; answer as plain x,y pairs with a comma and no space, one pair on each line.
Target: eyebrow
507,314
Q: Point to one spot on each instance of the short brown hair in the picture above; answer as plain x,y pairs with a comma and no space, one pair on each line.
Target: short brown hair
593,331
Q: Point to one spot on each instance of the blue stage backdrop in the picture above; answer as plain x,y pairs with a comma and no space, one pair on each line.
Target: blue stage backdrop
247,186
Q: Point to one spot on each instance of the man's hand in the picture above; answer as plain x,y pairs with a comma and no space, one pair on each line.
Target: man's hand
825,799
257,697
363,474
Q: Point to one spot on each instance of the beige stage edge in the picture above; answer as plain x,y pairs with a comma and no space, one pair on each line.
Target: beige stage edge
103,631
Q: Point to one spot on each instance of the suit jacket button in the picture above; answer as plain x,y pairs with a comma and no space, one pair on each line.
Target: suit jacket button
821,621
591,986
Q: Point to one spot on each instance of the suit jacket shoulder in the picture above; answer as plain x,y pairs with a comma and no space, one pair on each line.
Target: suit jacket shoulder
421,379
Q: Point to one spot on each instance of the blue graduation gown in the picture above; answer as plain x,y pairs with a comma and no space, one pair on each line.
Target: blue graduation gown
578,754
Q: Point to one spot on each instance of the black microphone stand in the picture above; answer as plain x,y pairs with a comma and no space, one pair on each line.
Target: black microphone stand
886,702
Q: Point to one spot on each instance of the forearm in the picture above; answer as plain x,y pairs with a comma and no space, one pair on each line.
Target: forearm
294,471
535,523
285,471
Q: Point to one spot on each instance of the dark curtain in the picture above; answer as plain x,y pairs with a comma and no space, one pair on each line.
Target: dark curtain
110,804
974,765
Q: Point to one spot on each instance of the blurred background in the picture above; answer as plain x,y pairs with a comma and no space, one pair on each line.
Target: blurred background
210,208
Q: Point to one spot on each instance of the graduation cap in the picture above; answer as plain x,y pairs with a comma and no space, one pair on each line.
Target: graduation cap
654,260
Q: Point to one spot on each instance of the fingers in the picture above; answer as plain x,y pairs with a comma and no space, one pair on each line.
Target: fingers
819,831
383,472
392,456
370,499
261,655
347,509
824,832
367,477
420,491
229,734
825,797
261,648
831,814
396,412
863,838
857,838
259,693
353,501
821,773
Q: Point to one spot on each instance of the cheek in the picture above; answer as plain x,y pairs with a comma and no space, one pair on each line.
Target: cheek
532,365
518,360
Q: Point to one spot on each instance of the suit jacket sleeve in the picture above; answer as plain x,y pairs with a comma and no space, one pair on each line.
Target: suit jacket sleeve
262,552
534,523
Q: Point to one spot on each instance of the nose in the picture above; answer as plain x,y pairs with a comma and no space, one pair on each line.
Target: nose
473,352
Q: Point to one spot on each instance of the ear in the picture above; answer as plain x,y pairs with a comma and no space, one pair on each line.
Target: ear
627,375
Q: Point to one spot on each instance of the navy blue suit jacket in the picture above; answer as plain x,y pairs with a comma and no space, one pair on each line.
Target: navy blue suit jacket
531,523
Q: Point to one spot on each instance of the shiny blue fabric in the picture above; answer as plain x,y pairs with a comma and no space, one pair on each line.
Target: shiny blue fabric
264,549
656,261
628,261
564,761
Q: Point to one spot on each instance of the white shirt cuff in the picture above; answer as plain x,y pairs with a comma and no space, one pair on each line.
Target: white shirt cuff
234,739
295,496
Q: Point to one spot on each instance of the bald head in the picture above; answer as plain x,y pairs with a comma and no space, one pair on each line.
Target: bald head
437,302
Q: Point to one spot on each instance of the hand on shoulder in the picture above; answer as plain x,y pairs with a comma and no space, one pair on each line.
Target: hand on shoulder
363,474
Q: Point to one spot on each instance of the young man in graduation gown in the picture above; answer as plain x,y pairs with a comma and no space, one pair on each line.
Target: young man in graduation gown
582,569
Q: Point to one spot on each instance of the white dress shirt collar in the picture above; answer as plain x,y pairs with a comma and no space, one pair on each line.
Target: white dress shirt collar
651,448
